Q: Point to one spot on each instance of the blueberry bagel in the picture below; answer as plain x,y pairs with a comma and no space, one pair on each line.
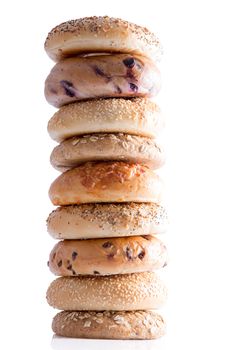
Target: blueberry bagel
83,78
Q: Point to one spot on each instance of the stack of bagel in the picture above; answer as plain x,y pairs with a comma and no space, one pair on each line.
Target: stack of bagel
108,196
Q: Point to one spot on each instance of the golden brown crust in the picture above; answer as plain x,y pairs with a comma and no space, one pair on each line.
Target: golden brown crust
136,291
98,220
109,324
101,34
106,182
137,116
107,147
107,256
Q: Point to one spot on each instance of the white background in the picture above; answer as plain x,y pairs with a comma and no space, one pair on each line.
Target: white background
197,100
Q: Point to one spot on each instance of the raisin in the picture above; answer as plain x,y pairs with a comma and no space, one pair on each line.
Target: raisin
99,71
118,89
129,253
74,255
129,62
107,244
141,255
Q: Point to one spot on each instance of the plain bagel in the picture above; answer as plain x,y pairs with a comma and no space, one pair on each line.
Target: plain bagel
100,34
136,291
107,256
98,220
107,147
106,182
109,324
137,116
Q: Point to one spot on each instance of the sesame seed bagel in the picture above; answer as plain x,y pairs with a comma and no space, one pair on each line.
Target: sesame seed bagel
107,256
106,182
136,291
137,116
83,78
109,324
100,34
106,147
97,220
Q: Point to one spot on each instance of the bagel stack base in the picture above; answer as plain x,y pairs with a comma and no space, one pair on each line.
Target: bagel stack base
109,198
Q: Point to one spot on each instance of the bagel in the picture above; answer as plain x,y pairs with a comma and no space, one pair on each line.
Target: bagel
106,147
106,182
100,34
107,256
136,291
109,324
137,116
83,78
98,220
